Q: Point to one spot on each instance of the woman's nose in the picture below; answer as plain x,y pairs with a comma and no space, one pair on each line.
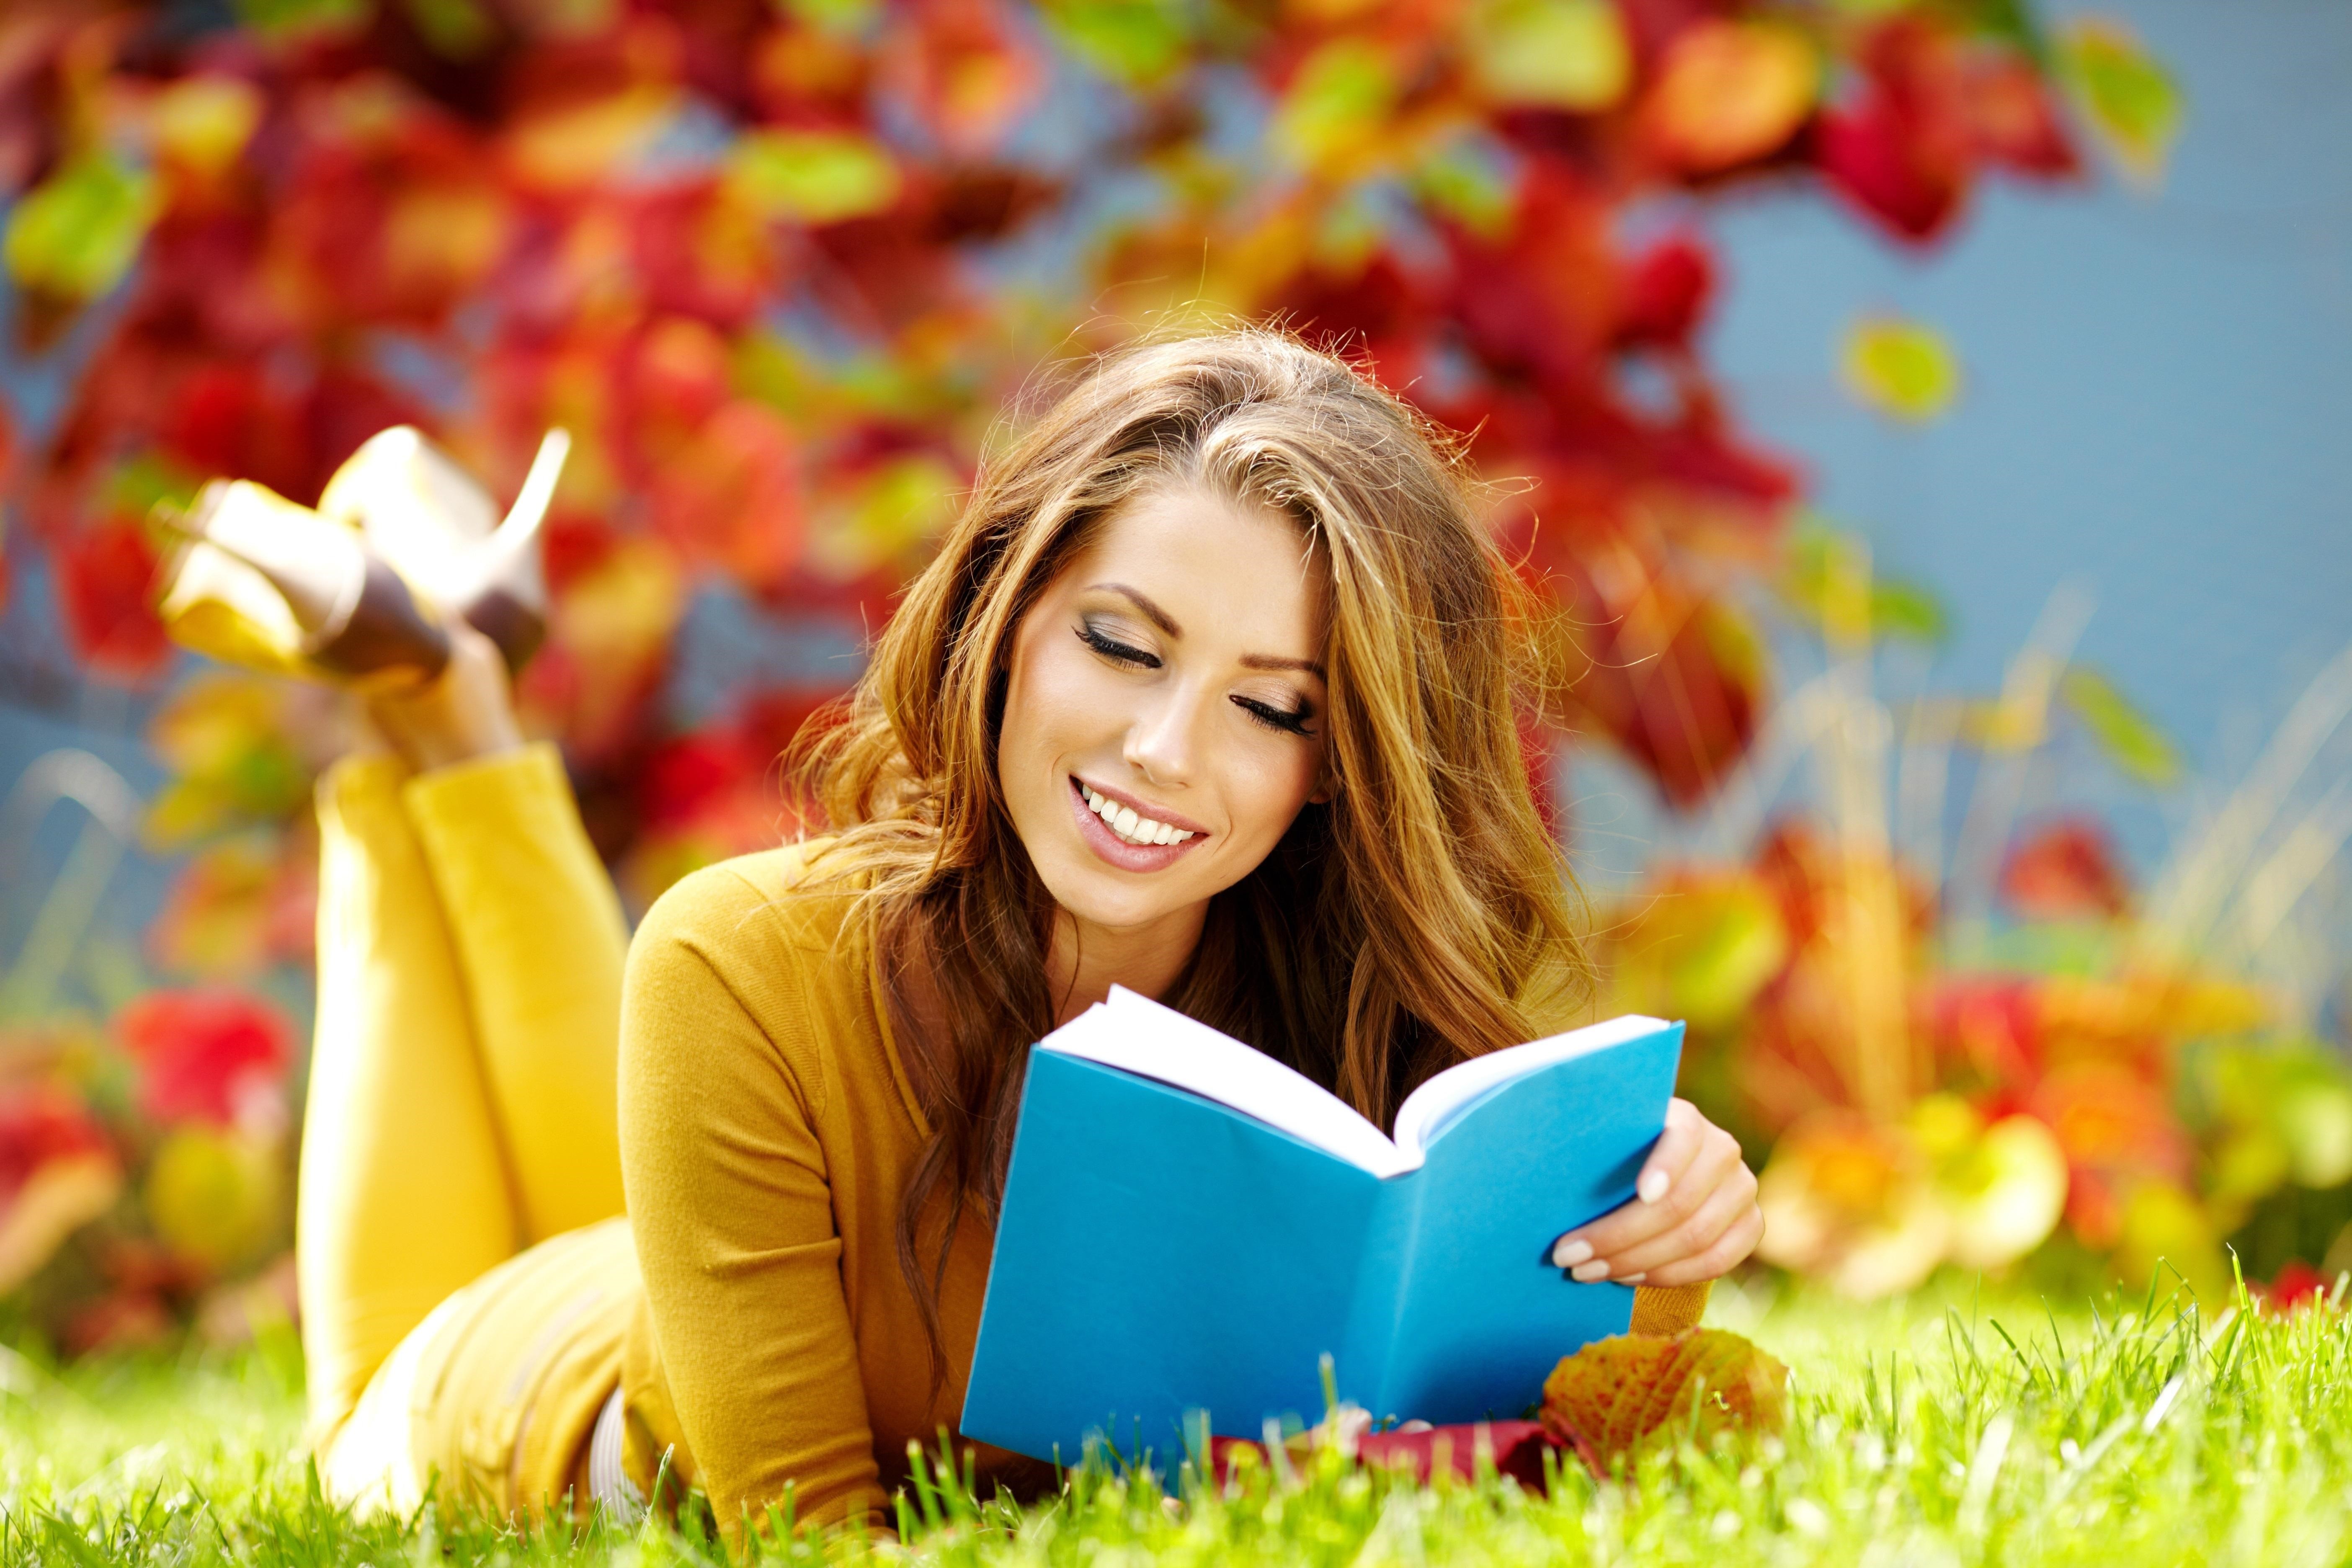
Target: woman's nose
1160,743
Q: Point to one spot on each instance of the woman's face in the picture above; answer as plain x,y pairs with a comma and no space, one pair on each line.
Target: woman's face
1164,713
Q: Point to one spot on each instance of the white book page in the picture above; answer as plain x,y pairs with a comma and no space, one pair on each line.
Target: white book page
1137,1035
1427,1108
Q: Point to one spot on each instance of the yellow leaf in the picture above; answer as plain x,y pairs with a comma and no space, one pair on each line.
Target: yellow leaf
1904,370
1730,91
2003,1189
1853,1205
578,143
886,515
2129,99
1615,1395
1701,950
202,122
1340,100
214,1196
2164,1225
1560,54
812,176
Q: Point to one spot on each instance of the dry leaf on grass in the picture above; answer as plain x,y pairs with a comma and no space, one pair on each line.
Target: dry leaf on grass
1609,1398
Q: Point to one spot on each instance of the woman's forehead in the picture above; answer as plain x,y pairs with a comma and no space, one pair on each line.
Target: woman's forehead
1234,565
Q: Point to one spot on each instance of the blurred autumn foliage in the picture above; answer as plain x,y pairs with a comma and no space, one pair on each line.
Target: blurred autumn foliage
778,264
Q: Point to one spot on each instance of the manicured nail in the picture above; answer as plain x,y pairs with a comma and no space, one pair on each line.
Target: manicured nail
1569,1254
1653,1187
1635,1279
1587,1273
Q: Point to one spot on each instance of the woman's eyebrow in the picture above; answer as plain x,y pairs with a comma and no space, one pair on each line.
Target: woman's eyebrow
1276,661
1167,623
1152,612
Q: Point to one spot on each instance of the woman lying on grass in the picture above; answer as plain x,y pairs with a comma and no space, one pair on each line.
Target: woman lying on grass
1210,693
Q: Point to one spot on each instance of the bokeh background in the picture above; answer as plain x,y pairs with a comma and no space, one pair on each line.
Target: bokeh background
1928,412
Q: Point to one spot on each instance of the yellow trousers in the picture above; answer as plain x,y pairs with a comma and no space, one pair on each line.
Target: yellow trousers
459,1145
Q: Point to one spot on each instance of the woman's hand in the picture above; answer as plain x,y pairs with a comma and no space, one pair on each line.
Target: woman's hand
1694,1217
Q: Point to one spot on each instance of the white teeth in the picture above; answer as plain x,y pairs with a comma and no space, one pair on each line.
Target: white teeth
1130,824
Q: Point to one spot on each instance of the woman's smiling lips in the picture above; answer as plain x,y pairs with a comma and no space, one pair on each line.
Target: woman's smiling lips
1123,853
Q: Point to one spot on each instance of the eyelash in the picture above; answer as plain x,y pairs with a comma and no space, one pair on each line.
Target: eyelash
1266,714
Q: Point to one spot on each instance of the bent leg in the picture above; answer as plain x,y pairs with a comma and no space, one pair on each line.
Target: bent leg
490,1403
404,1195
540,941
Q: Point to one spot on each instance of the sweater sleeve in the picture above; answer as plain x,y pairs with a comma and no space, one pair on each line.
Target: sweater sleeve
728,1196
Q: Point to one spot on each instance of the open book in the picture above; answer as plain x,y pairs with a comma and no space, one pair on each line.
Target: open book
1190,1225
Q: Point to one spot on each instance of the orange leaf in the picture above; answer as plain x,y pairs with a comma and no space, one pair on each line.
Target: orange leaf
1730,91
1612,1395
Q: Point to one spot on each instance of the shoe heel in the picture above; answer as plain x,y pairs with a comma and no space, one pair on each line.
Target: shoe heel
508,600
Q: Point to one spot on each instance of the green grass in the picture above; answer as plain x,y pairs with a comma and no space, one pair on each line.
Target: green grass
1946,1429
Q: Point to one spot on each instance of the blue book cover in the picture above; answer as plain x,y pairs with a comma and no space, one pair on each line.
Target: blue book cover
1191,1227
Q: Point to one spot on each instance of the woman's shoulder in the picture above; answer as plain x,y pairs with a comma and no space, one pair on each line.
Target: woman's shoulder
790,898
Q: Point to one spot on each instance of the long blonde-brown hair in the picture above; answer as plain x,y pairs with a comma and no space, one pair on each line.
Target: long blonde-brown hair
1406,925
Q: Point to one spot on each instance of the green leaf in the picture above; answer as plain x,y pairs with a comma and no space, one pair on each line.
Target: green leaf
812,176
1469,180
1818,555
1909,611
2128,737
1341,98
1904,370
2125,92
454,29
77,235
841,18
283,17
1137,42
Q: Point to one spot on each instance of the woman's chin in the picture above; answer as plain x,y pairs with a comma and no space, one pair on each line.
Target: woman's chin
1101,897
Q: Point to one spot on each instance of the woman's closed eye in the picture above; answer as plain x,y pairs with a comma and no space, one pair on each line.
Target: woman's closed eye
1289,720
1118,652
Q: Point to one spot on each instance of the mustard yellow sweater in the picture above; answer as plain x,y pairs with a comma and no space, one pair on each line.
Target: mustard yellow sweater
767,1130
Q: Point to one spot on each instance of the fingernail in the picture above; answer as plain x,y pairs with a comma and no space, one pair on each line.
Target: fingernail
1635,1279
1587,1273
1569,1254
1653,1187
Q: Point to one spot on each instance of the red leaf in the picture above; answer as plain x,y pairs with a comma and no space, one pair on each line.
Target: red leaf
105,578
732,495
38,1123
2014,121
1667,291
2295,1285
1517,1447
2066,871
1871,154
1902,151
202,1054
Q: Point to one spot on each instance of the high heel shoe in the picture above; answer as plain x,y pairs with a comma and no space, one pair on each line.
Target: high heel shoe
360,590
431,524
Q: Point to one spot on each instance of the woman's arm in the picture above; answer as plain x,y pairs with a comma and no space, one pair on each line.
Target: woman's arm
1694,1217
730,1200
